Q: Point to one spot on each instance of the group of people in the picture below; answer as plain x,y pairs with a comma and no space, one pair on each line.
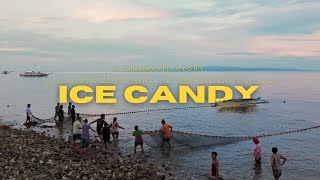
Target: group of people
59,112
103,129
276,163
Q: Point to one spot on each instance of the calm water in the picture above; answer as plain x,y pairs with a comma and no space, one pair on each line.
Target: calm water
300,90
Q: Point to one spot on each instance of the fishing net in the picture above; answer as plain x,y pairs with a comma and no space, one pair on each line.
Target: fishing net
178,138
37,120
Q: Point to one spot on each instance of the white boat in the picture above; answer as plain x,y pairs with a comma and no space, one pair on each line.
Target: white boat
236,103
33,74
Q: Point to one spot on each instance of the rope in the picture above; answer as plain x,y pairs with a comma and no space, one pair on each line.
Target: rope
243,137
189,107
289,132
148,110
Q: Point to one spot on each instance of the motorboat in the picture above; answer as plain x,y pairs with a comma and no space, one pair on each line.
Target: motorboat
34,74
236,103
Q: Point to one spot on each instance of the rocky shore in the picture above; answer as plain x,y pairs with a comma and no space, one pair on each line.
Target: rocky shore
30,155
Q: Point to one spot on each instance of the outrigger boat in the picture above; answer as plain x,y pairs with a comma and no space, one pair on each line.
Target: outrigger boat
33,74
236,103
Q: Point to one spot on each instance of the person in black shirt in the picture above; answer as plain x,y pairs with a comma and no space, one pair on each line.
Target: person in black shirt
61,116
100,123
105,133
73,114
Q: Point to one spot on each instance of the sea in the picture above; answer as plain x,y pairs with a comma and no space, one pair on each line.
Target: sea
293,98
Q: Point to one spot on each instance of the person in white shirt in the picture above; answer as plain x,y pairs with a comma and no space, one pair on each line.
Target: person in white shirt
76,131
28,111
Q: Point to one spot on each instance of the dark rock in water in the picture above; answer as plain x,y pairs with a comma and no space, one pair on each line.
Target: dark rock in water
32,123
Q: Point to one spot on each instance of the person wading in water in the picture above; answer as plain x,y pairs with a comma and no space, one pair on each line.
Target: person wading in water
276,163
100,123
138,139
115,129
166,132
215,175
257,150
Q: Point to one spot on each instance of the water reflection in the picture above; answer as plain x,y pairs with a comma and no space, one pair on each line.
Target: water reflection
238,110
257,171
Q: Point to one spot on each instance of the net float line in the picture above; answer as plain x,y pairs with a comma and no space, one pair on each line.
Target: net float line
248,137
148,110
154,138
129,112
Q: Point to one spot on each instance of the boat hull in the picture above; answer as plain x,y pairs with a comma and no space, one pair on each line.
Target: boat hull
236,104
34,75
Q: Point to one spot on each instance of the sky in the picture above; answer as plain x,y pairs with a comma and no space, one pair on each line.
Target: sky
96,35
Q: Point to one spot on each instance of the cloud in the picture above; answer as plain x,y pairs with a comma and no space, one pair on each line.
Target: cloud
292,19
102,12
15,49
46,19
300,45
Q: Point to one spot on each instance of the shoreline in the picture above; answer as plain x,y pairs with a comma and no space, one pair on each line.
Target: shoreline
28,154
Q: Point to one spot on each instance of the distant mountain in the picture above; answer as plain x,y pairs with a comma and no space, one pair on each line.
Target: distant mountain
225,68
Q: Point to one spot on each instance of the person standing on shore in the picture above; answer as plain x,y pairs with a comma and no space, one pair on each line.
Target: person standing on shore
57,108
76,130
138,139
85,134
257,150
29,114
73,114
100,123
61,116
115,129
166,131
69,109
276,163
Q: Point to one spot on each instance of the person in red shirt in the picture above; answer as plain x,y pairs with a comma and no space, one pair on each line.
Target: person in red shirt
166,133
214,166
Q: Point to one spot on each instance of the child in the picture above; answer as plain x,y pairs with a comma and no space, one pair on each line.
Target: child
214,166
257,150
138,139
276,163
105,131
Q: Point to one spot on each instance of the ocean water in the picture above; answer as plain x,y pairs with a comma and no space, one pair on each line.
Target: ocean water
300,90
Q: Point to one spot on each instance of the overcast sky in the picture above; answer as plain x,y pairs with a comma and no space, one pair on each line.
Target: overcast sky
95,35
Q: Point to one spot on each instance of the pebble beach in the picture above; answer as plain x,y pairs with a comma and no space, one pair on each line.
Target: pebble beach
27,154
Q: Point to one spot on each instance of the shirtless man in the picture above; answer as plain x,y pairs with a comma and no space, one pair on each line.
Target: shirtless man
257,150
214,166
